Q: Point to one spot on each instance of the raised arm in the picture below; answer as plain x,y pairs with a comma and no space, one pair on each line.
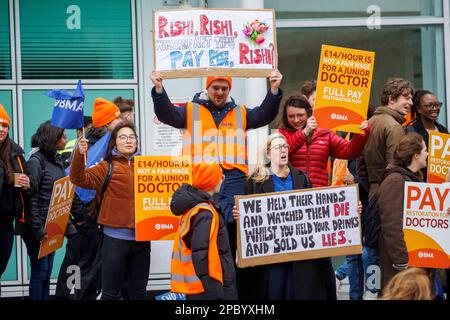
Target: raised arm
164,109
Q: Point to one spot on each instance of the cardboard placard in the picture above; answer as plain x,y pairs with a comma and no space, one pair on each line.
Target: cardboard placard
426,224
214,42
298,225
343,88
155,180
438,157
57,216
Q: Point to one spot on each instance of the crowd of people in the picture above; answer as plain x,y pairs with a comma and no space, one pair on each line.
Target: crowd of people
101,231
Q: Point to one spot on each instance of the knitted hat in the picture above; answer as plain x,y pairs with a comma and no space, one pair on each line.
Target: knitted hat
209,80
104,112
4,117
205,176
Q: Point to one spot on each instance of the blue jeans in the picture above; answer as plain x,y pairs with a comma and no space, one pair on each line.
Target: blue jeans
41,269
234,184
371,264
353,268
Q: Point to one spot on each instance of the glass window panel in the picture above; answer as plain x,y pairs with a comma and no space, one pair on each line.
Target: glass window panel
10,273
6,101
299,9
38,108
80,39
415,53
5,41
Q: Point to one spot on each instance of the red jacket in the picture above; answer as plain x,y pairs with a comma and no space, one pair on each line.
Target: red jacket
312,157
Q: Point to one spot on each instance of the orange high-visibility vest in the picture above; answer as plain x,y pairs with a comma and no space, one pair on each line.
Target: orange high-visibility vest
226,144
183,276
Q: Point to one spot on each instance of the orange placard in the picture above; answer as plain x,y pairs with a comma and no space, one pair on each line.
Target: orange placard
343,88
438,157
57,216
155,180
426,224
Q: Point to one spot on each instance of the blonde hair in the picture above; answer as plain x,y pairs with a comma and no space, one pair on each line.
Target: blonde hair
262,172
410,284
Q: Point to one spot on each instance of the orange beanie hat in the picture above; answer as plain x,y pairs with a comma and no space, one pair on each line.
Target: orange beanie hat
104,112
209,80
205,176
4,117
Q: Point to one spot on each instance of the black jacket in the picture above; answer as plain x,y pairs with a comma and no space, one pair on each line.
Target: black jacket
313,279
44,171
417,126
13,201
197,239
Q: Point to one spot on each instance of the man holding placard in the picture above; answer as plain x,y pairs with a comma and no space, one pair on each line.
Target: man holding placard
216,128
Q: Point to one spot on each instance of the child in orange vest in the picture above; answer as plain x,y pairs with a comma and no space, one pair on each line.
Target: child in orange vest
202,265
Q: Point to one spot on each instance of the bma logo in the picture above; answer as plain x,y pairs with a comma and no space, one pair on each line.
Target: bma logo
426,254
335,116
163,226
69,104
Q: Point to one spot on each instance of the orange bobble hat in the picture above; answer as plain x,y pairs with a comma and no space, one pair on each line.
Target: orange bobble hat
104,112
205,176
4,117
210,80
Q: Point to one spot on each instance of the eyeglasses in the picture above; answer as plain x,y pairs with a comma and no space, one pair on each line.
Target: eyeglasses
436,105
280,146
125,138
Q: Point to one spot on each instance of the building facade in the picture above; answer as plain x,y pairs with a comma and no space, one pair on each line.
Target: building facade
51,44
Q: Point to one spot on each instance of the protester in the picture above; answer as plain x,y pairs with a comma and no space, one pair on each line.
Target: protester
425,111
13,198
201,249
411,284
126,107
67,152
105,117
216,129
311,146
308,89
121,253
409,157
299,280
356,266
45,167
387,130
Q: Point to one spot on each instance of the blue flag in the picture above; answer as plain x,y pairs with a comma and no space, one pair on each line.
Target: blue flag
95,154
68,109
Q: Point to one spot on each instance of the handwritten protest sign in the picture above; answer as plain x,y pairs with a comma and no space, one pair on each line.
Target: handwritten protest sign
438,157
219,42
343,88
426,224
155,180
298,225
57,216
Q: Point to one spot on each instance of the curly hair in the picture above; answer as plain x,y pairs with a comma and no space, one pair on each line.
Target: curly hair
308,88
394,88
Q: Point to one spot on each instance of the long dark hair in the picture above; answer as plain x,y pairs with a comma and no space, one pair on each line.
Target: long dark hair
5,156
47,137
297,101
408,146
112,141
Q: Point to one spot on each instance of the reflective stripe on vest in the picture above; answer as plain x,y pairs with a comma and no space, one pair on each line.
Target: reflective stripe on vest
227,144
183,276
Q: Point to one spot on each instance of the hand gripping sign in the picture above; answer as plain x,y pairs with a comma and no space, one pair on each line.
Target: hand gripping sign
298,225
